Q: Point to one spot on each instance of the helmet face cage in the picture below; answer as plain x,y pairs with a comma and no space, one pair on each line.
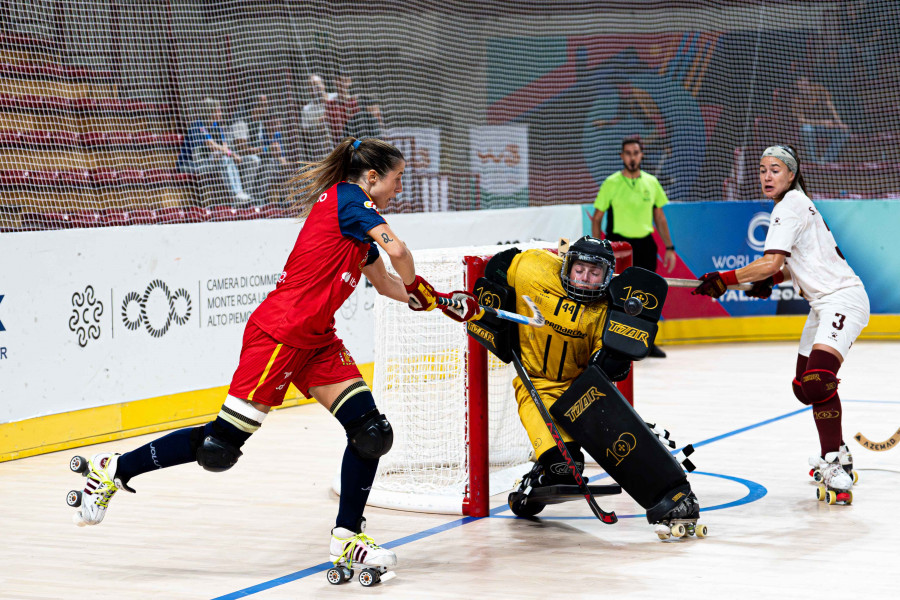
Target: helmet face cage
595,252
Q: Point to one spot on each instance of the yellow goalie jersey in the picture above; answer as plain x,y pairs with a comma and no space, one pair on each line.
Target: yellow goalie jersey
555,354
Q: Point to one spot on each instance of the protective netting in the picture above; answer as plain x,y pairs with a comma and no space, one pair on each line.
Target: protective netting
106,105
420,384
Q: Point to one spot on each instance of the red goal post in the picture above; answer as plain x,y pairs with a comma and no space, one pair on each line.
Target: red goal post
457,434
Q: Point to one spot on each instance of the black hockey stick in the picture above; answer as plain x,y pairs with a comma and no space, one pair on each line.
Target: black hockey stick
606,517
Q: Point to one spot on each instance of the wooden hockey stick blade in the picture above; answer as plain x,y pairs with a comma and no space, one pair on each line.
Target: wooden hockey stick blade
536,320
692,283
607,517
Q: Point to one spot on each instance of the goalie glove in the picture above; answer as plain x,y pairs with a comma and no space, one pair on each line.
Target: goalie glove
421,294
467,310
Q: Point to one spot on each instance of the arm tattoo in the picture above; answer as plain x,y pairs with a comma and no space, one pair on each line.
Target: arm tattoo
386,238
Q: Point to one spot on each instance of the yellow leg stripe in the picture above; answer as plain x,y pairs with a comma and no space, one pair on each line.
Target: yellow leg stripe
266,372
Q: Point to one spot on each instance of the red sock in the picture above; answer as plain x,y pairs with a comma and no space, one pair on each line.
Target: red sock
827,413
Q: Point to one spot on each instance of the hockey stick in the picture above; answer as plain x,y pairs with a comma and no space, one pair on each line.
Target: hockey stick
606,517
692,283
536,320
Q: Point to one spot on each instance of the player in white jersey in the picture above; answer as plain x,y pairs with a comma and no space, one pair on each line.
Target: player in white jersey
800,248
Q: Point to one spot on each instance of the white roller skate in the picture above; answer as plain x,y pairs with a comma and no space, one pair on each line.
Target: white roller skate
817,463
836,481
351,551
99,488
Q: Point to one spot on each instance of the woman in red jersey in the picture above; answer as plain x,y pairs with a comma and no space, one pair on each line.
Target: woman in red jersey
290,338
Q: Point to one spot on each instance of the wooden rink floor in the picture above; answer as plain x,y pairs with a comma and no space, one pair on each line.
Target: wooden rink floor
261,530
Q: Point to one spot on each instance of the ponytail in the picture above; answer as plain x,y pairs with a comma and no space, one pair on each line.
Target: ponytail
349,161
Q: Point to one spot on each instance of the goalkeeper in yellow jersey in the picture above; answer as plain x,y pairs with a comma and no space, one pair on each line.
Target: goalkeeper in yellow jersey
595,326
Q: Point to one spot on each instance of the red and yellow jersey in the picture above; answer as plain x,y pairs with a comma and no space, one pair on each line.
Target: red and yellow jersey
559,351
323,269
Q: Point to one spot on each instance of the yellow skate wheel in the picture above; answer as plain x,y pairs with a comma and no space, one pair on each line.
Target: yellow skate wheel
820,493
830,497
850,496
678,530
855,476
700,530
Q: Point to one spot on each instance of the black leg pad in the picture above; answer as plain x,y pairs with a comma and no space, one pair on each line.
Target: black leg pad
598,417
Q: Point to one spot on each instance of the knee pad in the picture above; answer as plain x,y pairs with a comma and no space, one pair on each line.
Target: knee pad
798,391
217,445
818,385
370,436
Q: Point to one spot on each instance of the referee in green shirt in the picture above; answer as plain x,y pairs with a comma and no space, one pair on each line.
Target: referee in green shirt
636,199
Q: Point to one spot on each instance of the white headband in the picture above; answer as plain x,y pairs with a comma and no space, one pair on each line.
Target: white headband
788,158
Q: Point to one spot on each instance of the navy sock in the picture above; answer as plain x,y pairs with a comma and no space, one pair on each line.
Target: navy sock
172,449
357,475
176,448
352,409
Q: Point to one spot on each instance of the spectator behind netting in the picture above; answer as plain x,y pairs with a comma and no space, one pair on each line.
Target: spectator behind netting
258,141
818,119
205,153
367,121
340,106
318,142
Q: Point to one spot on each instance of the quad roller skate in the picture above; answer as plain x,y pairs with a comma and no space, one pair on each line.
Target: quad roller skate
817,463
99,488
350,551
520,501
676,516
533,493
836,482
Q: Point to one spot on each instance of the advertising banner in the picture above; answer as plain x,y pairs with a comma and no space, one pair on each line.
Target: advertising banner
92,317
717,236
499,155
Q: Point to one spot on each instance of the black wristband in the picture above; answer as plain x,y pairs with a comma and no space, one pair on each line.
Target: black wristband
672,248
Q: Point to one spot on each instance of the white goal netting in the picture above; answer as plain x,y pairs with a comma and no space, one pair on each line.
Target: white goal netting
421,385
105,105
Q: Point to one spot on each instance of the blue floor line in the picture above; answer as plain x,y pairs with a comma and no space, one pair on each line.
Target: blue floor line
755,492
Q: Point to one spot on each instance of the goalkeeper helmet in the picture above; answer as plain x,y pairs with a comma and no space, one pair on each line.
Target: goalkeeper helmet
595,266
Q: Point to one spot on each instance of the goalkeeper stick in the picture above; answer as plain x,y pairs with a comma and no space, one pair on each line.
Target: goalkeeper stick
607,517
536,320
692,283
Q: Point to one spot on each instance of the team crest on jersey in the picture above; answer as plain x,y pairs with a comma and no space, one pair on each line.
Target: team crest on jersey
323,197
370,204
346,359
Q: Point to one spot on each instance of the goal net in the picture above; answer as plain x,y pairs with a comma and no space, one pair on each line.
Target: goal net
457,435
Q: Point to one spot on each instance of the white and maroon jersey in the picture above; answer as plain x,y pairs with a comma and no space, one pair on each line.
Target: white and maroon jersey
323,269
799,232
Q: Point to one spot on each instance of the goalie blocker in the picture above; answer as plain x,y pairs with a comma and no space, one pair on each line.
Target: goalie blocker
598,417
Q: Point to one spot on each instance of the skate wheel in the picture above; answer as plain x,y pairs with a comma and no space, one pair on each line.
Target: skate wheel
678,530
817,476
830,497
369,577
662,532
849,496
820,493
79,464
701,531
855,476
73,498
336,575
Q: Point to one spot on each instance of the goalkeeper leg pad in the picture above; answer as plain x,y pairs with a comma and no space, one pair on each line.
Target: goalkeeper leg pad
598,417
